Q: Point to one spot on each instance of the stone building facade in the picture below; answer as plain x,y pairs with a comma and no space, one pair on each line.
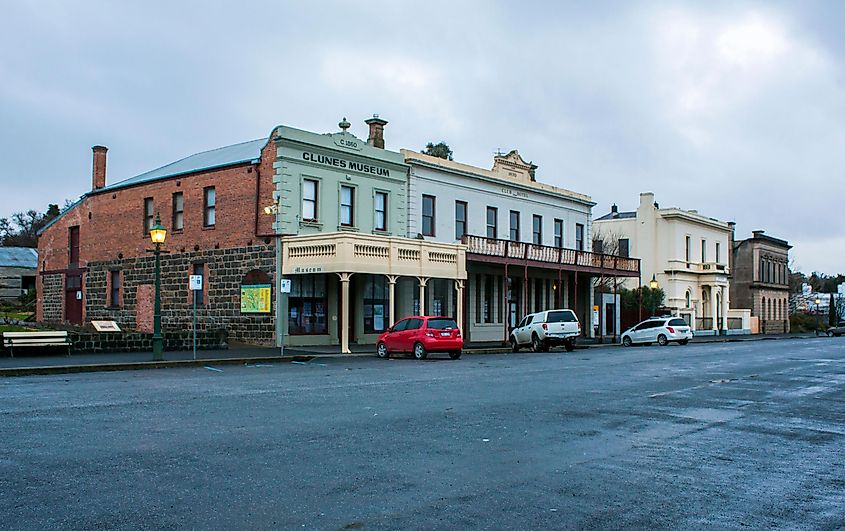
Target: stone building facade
760,266
94,262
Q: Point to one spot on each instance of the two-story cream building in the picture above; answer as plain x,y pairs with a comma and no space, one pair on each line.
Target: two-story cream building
687,253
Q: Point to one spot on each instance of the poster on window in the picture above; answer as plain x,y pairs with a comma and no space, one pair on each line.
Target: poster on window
255,298
378,317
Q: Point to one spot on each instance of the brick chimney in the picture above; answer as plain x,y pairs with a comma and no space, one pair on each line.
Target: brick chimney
376,138
99,173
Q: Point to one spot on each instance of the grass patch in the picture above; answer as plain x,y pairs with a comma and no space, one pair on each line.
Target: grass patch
20,316
14,328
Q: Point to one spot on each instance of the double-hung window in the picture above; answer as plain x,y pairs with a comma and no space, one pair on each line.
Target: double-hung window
309,200
428,215
209,214
703,251
558,233
381,211
460,219
178,221
537,230
514,226
114,296
148,214
492,222
347,206
579,236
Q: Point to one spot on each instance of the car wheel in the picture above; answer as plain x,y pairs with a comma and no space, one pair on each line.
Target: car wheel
381,351
536,345
419,351
569,346
627,341
683,341
455,355
514,345
662,341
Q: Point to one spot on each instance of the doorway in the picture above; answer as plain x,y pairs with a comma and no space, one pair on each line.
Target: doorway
73,299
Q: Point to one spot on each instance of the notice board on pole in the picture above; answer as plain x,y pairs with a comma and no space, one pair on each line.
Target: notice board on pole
255,298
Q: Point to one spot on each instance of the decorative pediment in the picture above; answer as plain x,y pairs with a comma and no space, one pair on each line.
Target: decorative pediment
513,166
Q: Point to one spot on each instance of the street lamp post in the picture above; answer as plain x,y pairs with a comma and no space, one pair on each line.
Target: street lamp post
653,285
818,301
157,234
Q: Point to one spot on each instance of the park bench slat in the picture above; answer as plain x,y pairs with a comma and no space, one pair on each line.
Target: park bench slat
35,339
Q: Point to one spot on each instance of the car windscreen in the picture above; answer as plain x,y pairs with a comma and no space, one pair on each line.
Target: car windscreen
442,324
677,322
561,317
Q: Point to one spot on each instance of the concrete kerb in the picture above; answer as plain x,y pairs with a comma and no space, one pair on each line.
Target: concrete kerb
140,365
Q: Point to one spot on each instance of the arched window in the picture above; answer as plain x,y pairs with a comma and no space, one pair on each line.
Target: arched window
688,299
763,309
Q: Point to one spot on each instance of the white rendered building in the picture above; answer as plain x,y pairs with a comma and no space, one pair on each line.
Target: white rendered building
527,242
687,254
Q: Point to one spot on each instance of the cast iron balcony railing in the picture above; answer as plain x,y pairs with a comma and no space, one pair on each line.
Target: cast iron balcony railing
529,252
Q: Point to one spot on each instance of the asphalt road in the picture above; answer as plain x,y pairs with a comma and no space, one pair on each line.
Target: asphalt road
721,436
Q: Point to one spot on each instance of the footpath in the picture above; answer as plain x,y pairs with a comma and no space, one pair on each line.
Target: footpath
38,363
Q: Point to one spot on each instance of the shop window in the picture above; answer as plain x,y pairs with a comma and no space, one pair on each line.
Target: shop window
492,222
178,221
460,219
428,215
376,303
307,305
347,206
381,211
488,298
309,200
209,217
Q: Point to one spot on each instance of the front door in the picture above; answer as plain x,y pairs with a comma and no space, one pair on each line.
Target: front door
73,299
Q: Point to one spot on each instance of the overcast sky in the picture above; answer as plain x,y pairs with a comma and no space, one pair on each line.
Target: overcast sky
736,109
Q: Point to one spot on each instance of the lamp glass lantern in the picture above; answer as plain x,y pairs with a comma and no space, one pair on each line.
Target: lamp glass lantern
653,283
158,233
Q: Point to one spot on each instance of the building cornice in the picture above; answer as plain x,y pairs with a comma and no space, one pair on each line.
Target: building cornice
436,163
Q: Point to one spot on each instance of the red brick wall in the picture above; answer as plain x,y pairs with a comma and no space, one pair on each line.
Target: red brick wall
111,223
144,308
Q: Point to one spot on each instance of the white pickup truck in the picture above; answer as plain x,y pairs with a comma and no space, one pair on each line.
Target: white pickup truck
546,329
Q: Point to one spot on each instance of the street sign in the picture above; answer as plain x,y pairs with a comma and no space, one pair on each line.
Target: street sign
195,281
284,285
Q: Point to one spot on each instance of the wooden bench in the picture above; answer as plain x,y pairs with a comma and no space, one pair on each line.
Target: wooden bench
12,340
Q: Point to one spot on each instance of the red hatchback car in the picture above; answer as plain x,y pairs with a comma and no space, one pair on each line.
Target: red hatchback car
421,335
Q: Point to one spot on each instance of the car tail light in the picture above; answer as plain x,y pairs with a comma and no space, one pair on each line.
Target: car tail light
458,333
545,326
429,333
670,329
579,328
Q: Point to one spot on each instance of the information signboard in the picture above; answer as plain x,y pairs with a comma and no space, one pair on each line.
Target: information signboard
255,298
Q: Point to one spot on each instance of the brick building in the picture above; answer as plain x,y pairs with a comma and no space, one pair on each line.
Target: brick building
93,259
761,280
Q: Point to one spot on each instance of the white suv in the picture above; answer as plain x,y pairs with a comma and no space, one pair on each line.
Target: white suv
546,329
660,330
